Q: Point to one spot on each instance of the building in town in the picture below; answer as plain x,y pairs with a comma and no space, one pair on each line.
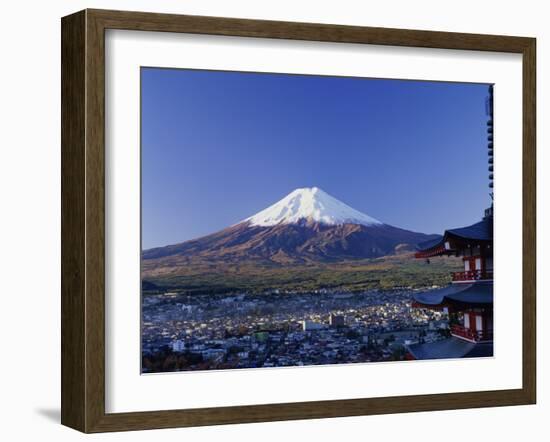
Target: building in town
336,321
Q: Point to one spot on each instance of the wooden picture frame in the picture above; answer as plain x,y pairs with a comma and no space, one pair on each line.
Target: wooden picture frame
83,220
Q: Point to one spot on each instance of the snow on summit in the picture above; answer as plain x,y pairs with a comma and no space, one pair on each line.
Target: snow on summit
312,204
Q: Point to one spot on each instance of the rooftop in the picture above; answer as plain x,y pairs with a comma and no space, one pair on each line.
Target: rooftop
481,231
451,348
476,293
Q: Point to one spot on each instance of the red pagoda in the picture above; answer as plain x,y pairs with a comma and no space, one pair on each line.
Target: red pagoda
469,298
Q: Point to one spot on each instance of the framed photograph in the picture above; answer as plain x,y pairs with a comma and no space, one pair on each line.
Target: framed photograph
267,220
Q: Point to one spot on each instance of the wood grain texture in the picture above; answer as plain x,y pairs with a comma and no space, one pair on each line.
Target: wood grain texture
95,222
73,128
529,221
145,21
83,220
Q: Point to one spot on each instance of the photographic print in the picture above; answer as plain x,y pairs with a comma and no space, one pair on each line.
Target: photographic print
300,220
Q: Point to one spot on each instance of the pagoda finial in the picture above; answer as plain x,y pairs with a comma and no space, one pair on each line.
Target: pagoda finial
490,143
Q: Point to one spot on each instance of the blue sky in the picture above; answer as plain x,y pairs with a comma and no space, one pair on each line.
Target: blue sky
218,147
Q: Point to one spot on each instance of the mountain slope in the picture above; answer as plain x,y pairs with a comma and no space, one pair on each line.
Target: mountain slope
307,226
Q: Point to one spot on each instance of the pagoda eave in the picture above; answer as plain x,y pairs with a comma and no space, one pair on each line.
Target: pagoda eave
450,348
457,297
436,251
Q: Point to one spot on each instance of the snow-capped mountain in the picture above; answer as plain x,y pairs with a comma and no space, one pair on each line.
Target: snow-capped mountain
313,205
308,225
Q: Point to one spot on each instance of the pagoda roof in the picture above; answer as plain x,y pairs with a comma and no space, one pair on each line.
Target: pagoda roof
481,231
458,294
451,348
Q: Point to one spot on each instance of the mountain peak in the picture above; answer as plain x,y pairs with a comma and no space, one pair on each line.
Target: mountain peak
310,204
